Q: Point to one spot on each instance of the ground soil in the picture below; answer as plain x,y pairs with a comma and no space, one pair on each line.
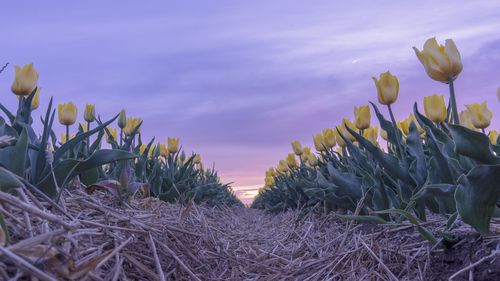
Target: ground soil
93,237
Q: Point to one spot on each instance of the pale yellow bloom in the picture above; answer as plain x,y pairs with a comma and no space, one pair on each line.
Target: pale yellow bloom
494,136
163,150
362,117
466,119
132,123
329,137
283,166
63,137
347,123
271,172
297,148
35,102
85,128
197,159
383,134
371,134
89,114
67,113
442,63
319,142
405,125
435,108
480,115
291,160
269,181
25,80
112,135
387,88
312,160
173,145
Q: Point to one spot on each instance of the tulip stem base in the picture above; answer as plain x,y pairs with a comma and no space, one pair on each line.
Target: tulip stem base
453,101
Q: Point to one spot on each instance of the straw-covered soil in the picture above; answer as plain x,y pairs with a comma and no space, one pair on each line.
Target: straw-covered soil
91,237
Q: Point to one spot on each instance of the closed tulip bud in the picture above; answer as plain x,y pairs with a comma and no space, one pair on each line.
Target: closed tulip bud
25,80
480,115
329,137
63,138
362,116
132,123
404,125
83,127
494,136
442,63
435,108
270,172
36,99
307,150
297,148
283,166
313,162
111,136
142,148
89,114
371,134
173,145
269,181
304,157
387,88
163,150
67,113
201,167
291,161
197,159
319,142
122,119
350,125
383,134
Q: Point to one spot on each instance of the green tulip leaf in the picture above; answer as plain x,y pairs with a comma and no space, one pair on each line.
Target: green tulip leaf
473,144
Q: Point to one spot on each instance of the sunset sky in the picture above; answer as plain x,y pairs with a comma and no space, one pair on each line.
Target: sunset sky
237,81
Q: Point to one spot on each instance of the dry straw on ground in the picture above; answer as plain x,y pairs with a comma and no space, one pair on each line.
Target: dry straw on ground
91,237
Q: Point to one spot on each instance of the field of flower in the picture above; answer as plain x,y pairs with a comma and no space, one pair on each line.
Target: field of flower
98,203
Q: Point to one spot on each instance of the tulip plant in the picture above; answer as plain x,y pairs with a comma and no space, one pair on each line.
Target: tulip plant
429,162
126,168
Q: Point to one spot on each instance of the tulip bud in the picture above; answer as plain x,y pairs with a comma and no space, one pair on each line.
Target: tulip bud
197,159
319,142
494,136
371,134
435,108
383,134
291,161
283,166
84,127
387,88
122,119
63,138
329,137
442,63
67,113
297,148
131,124
313,162
111,136
345,133
173,145
480,115
89,114
142,148
25,80
269,181
163,150
362,116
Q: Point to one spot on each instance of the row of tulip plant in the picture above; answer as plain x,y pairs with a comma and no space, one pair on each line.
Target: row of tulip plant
125,166
439,161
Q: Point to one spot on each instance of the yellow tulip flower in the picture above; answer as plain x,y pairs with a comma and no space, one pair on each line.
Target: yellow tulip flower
442,63
383,134
67,113
89,114
494,136
371,134
163,150
283,166
173,145
329,137
25,80
404,125
297,148
132,123
319,142
291,160
480,115
362,117
269,181
63,137
312,160
347,123
435,108
112,135
387,88
35,102
197,159
85,128
270,172
466,119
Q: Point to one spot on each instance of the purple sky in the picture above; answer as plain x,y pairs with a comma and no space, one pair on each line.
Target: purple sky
238,80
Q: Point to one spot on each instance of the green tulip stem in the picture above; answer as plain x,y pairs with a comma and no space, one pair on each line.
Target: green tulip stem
453,101
121,137
88,139
67,133
396,130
